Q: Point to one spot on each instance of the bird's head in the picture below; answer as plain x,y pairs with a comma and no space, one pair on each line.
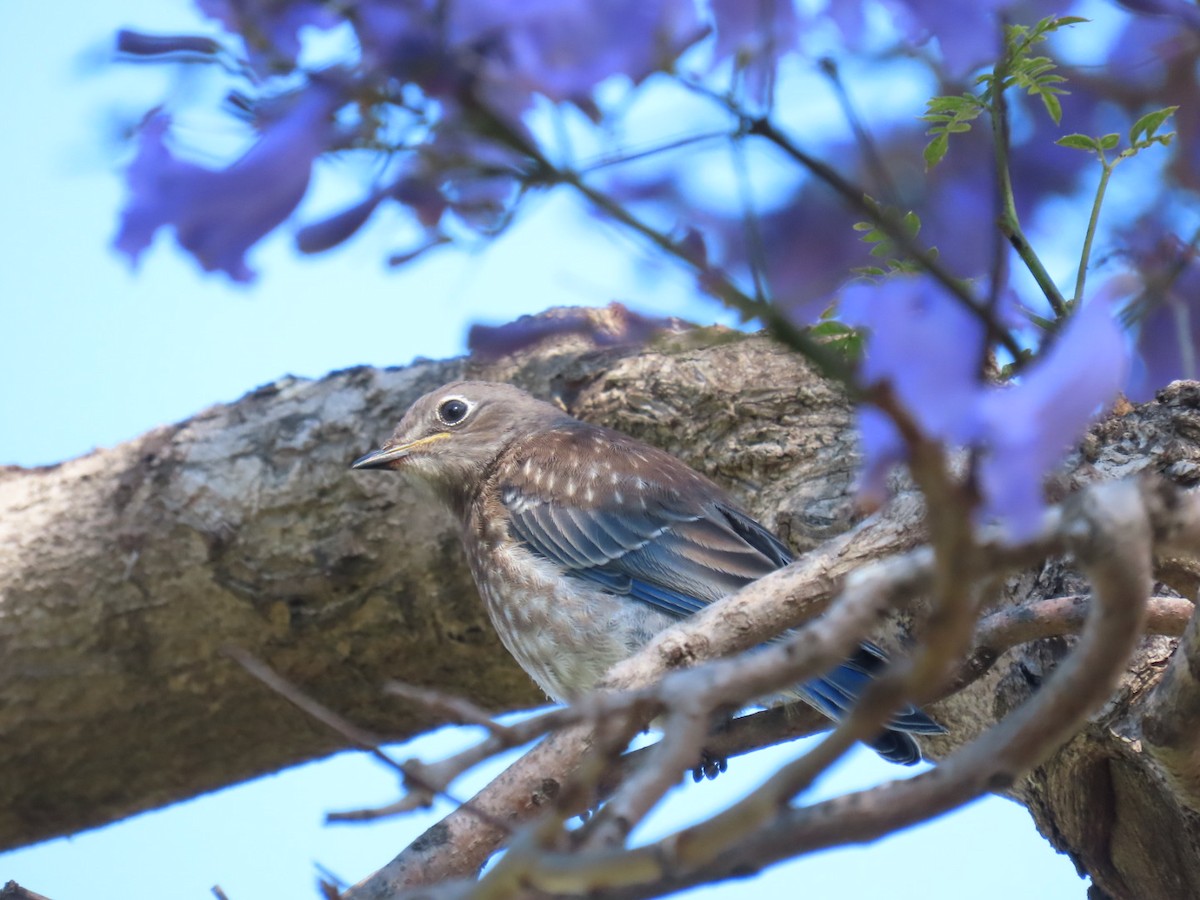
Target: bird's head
450,437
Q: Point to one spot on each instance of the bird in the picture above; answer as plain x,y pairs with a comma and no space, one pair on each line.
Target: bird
584,543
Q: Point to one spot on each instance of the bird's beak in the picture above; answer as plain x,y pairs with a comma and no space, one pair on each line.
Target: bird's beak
385,456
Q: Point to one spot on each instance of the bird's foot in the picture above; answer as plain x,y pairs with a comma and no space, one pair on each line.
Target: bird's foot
709,766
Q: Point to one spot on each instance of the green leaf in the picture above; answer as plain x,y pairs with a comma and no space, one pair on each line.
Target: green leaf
1053,107
831,328
1079,142
948,115
935,150
1150,123
1109,141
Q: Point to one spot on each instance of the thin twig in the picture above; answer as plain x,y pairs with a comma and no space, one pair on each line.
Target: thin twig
862,136
361,738
617,159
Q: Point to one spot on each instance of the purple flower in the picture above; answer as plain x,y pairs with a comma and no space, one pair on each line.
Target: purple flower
882,448
1167,345
1168,338
926,347
967,31
1028,428
563,49
1183,11
403,40
754,34
270,28
416,192
137,43
615,325
219,214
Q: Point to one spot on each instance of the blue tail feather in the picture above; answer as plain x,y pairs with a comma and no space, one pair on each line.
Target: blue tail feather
836,692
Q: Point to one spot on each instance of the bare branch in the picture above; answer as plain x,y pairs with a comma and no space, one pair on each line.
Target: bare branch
319,711
456,709
1054,617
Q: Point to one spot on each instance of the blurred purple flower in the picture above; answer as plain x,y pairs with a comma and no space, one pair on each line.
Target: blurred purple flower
329,232
925,345
477,177
1168,338
563,49
421,196
927,348
1167,346
967,31
882,449
404,40
755,34
138,43
1027,429
1157,61
1181,10
219,214
270,28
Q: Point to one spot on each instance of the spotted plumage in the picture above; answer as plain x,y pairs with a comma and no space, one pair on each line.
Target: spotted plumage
585,542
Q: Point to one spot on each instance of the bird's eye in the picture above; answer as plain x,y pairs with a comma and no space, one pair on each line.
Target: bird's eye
453,411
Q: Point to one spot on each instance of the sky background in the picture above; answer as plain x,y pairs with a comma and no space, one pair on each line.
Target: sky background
92,354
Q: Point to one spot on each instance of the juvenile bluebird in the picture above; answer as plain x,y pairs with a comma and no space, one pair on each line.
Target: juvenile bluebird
584,542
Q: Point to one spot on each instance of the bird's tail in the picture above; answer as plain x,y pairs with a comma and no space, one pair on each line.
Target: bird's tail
836,692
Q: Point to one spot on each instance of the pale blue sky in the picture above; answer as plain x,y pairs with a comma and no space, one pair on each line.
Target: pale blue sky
91,355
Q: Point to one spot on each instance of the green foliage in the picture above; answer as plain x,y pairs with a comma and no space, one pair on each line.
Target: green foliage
948,115
839,337
1021,69
1144,130
1086,142
1018,68
883,247
1142,134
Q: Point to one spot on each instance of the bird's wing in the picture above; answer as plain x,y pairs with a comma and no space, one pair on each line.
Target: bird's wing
664,536
645,526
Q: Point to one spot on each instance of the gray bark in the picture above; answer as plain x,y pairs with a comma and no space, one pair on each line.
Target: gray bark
124,573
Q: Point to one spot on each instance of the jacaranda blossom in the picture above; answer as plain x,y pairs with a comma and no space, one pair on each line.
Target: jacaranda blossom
1026,429
218,214
926,346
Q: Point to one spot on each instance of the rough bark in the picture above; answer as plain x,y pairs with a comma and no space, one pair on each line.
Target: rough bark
123,573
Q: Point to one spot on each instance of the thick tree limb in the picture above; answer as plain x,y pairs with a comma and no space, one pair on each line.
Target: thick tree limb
122,573
1172,712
